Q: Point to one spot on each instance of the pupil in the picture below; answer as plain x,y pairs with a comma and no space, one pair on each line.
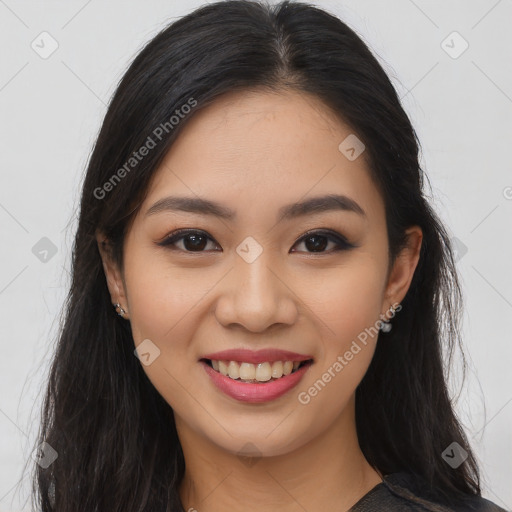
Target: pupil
319,245
195,242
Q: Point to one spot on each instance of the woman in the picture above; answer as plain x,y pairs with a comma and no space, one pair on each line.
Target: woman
261,293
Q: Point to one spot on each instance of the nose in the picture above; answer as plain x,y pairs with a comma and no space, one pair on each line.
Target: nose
256,297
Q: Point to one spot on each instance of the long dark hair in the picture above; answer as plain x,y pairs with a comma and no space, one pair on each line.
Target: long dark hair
114,434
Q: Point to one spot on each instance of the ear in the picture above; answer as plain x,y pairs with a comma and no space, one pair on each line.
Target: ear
403,269
113,274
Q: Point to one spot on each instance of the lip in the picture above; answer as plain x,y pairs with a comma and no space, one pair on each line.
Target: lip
259,392
256,356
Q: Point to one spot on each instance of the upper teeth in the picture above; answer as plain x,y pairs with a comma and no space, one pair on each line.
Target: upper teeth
261,372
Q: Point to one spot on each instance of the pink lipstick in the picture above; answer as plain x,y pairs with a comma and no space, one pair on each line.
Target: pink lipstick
270,372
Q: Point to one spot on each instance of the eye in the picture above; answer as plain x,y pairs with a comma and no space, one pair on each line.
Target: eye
192,240
318,241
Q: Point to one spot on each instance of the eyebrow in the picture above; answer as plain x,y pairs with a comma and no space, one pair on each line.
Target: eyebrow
202,206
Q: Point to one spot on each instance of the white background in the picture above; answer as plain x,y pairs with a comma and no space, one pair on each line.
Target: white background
51,110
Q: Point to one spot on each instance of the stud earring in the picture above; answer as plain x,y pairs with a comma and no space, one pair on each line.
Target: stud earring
385,325
120,311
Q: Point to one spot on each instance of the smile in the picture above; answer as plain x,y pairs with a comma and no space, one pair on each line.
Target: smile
254,373
254,382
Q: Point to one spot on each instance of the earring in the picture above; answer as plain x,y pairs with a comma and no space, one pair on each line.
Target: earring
385,325
121,311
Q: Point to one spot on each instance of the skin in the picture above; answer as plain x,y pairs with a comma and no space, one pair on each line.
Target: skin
255,152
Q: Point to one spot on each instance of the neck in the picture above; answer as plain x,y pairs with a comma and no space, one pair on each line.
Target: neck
328,472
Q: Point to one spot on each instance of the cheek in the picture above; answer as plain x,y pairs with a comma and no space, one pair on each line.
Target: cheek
164,308
162,299
348,309
164,314
348,299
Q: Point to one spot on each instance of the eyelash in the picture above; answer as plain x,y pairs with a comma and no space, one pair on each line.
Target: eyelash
341,243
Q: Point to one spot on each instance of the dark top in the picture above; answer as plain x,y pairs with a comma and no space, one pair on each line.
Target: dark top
398,492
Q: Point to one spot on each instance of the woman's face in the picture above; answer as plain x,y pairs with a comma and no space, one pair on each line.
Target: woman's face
274,265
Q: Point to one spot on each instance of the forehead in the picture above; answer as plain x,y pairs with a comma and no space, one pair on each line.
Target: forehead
248,120
263,148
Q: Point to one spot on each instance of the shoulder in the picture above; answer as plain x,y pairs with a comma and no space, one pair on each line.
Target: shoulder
401,492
